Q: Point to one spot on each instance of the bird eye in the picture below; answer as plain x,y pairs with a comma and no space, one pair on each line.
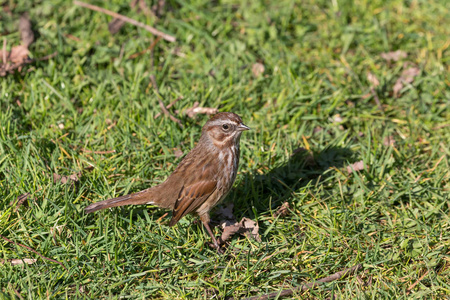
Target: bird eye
225,126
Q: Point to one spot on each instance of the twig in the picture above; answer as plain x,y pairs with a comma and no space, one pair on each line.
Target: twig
15,291
162,217
170,105
408,290
310,285
47,57
161,104
34,251
154,31
377,100
152,45
115,25
441,126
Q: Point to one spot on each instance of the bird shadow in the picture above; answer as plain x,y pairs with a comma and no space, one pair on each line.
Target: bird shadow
262,193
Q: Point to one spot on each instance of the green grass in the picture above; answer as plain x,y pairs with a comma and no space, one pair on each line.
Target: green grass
393,217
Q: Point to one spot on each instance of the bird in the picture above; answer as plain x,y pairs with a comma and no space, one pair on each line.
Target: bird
202,179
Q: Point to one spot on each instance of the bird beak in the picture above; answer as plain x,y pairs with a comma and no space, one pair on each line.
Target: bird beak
243,127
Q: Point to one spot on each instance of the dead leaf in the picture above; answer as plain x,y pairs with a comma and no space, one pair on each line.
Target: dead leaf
389,141
228,231
18,56
337,118
350,103
317,129
226,211
193,111
246,227
283,210
258,69
26,34
66,179
373,79
357,166
177,152
394,55
251,228
407,77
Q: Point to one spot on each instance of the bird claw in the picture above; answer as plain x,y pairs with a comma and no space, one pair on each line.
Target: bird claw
217,247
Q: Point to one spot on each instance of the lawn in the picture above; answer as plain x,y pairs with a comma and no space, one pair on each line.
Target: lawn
347,161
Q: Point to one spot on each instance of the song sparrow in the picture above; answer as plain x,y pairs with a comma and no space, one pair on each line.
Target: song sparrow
201,180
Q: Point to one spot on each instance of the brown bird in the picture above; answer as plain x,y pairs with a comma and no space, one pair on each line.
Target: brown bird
201,180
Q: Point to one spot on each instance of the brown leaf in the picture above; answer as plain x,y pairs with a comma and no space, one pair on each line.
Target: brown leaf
66,179
373,79
317,129
229,229
251,228
407,77
17,55
177,152
246,226
26,34
389,141
357,166
193,111
226,211
337,118
258,69
283,210
394,55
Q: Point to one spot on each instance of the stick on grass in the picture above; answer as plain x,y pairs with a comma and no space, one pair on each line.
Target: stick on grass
154,31
310,285
34,251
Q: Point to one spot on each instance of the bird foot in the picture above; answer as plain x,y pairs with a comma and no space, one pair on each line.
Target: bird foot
217,247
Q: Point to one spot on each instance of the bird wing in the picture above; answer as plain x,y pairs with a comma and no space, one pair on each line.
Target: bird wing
191,197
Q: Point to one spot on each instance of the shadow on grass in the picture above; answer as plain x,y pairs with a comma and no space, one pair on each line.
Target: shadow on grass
269,191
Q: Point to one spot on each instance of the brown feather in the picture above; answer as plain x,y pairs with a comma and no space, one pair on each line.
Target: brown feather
190,198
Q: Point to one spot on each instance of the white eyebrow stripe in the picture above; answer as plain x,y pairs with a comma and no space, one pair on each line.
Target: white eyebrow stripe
220,122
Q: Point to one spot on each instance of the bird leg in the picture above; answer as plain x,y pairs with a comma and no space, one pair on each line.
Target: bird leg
205,221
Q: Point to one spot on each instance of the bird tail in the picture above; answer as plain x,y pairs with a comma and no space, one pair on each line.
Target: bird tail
143,197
